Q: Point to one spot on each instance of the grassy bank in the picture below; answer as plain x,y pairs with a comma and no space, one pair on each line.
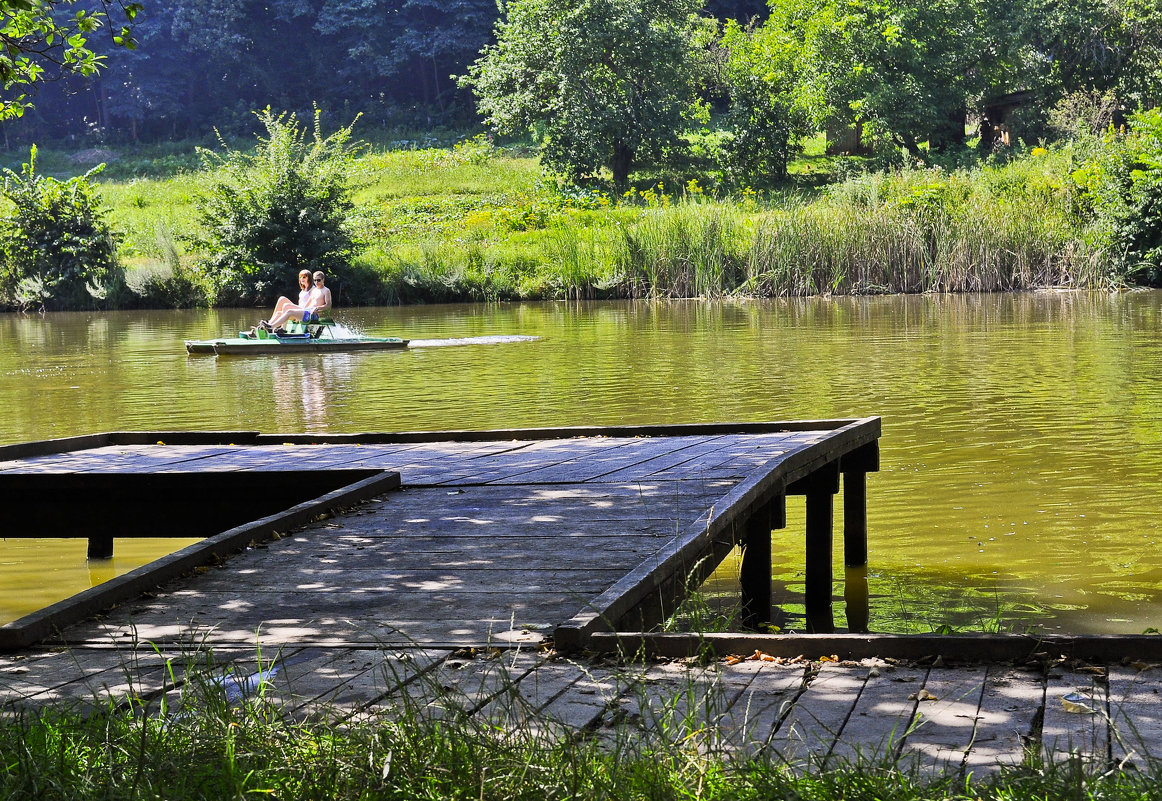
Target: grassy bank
429,741
475,222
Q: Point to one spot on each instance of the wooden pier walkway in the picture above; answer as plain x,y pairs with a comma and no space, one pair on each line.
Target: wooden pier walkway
489,537
474,582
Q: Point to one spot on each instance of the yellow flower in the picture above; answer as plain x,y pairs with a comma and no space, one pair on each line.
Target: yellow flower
1039,151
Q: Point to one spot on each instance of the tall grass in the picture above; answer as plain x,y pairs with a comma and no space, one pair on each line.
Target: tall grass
693,249
473,222
472,736
989,230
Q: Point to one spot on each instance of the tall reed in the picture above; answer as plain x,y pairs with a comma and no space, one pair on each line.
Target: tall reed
692,249
924,231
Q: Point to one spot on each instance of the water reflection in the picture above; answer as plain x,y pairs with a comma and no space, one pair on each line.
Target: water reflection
1022,449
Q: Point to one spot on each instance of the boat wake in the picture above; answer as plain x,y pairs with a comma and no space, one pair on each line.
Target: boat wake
447,343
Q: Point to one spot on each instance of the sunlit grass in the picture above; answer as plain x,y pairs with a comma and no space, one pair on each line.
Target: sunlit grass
477,222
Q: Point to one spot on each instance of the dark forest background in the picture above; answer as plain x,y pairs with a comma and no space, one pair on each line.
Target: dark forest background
205,64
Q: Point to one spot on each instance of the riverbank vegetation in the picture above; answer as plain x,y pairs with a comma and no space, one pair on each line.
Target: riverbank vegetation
479,222
656,148
432,742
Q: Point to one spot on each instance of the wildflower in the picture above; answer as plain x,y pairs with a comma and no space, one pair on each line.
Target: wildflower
1039,151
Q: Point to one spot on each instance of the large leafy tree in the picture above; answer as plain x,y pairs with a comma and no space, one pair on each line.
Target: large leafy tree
769,108
907,69
1080,45
46,39
610,83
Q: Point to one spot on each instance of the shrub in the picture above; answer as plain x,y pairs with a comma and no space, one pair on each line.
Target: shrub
58,251
1124,187
283,208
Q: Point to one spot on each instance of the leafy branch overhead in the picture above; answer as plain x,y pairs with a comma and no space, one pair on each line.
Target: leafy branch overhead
40,41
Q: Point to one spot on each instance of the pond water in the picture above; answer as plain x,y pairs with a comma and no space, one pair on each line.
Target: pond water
1021,454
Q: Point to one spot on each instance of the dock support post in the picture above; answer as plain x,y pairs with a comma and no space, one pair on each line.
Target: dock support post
101,546
819,487
855,590
855,467
854,518
818,580
755,569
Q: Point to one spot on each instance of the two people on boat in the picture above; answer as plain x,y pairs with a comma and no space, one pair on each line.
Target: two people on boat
313,300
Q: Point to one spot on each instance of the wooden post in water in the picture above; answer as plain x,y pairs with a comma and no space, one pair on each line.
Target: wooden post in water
755,570
101,546
819,487
855,467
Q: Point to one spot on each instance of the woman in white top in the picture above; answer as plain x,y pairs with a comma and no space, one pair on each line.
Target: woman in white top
311,303
305,290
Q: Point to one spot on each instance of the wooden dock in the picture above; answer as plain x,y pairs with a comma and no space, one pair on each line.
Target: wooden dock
471,572
488,537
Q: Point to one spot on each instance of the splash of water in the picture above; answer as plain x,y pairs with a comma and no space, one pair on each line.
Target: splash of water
341,331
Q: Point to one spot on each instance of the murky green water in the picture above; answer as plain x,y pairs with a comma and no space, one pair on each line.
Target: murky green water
1022,448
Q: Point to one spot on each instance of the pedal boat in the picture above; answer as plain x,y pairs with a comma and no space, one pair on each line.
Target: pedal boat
298,338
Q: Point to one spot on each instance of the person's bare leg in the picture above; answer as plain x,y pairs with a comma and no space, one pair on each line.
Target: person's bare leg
293,313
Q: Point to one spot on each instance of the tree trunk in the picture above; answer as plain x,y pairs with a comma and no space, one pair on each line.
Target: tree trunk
620,164
951,132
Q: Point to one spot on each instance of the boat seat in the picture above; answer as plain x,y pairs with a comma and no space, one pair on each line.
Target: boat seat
314,329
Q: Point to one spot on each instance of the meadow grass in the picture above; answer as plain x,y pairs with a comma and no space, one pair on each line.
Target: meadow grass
477,222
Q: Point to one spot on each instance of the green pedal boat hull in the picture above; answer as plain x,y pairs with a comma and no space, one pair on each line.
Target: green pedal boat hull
274,345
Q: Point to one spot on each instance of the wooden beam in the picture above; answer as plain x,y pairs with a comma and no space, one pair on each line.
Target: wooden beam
1103,648
755,568
818,568
100,506
43,623
855,519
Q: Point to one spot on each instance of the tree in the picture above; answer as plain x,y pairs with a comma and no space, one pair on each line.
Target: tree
608,82
56,247
1077,45
408,48
766,112
907,69
39,42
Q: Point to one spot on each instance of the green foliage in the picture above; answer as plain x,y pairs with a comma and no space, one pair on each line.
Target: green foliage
283,208
906,70
608,83
167,282
1004,228
38,42
58,250
444,228
686,250
1076,45
1123,186
765,116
